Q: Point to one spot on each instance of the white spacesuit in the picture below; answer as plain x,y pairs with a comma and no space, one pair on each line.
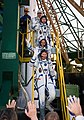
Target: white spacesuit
34,25
41,30
39,48
44,82
44,30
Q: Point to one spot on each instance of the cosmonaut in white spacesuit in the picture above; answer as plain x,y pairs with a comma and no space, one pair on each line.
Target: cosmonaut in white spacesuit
42,45
44,81
41,28
34,25
34,21
44,30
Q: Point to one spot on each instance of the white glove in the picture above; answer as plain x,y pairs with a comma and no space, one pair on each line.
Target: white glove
28,43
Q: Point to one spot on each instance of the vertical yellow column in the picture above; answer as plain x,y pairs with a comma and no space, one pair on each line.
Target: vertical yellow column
32,42
33,84
22,44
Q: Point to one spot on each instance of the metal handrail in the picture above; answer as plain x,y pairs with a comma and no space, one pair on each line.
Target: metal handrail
61,81
22,58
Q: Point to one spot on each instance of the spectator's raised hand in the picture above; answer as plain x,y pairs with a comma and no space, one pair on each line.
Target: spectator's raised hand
31,112
11,104
74,105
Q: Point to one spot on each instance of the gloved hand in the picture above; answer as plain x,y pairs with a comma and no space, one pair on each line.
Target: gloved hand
27,43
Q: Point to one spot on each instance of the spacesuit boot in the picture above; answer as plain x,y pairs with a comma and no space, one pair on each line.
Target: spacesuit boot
42,113
49,98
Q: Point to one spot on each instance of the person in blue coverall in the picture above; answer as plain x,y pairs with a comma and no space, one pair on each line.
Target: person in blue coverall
23,20
23,28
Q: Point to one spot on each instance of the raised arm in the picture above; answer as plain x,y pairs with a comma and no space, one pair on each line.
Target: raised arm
11,104
31,112
75,107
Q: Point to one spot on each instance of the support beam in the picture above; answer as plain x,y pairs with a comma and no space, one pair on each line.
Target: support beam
76,6
81,4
